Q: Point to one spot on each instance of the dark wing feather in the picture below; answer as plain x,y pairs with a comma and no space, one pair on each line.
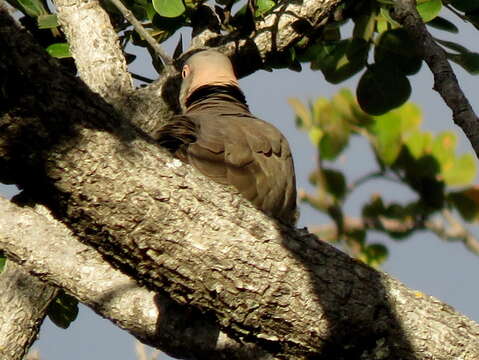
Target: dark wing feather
239,150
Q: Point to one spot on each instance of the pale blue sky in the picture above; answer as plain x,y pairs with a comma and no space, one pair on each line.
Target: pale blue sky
424,262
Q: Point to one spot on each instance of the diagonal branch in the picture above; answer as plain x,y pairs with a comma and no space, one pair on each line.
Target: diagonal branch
167,60
47,249
198,241
23,302
445,81
97,52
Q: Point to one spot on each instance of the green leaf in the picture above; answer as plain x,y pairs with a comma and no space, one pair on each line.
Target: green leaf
394,50
466,202
340,60
335,129
315,135
382,89
461,172
382,24
3,261
364,26
384,12
429,9
375,254
169,8
263,6
419,143
33,8
374,208
49,21
453,46
465,5
443,147
443,24
303,114
63,310
388,139
411,117
334,182
59,50
346,105
468,61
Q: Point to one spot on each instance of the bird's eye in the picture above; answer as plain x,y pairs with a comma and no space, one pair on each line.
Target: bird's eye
185,72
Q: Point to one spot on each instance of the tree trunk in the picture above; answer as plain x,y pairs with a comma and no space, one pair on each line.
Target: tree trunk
167,226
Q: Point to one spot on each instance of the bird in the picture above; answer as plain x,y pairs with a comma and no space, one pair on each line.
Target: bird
217,135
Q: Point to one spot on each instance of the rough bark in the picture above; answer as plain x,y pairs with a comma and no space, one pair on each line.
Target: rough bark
98,56
48,250
23,303
164,224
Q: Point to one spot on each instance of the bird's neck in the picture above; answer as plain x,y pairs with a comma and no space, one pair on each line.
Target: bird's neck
217,94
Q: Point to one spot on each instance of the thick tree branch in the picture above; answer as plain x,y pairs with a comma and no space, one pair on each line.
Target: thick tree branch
48,250
445,81
23,303
97,53
175,230
284,26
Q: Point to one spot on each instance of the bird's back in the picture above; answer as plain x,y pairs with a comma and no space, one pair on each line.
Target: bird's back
219,137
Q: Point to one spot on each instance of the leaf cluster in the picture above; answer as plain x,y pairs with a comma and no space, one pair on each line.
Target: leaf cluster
426,164
380,49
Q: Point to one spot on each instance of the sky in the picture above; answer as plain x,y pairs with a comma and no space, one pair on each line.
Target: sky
423,262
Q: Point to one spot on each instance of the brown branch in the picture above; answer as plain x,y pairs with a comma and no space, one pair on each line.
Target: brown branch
453,230
23,302
164,57
205,246
445,81
97,53
47,249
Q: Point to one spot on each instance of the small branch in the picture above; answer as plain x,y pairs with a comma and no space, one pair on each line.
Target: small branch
164,57
455,12
445,81
456,231
141,78
95,48
453,231
361,180
24,300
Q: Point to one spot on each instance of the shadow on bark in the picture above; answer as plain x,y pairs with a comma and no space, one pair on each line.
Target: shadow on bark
41,119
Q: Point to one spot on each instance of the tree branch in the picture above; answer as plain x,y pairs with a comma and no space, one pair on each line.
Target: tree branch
209,249
97,53
48,250
289,22
23,303
454,231
162,55
445,81
166,225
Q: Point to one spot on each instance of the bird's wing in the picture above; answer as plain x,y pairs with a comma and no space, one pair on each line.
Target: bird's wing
238,150
249,154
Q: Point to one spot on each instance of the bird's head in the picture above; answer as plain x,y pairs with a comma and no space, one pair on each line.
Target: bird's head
208,67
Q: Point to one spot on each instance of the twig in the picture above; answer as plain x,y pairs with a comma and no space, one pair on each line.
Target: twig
167,60
455,231
141,78
445,81
449,229
455,12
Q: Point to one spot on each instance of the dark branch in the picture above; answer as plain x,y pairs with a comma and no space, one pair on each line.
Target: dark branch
445,81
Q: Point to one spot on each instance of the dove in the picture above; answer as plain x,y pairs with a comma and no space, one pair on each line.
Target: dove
217,135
